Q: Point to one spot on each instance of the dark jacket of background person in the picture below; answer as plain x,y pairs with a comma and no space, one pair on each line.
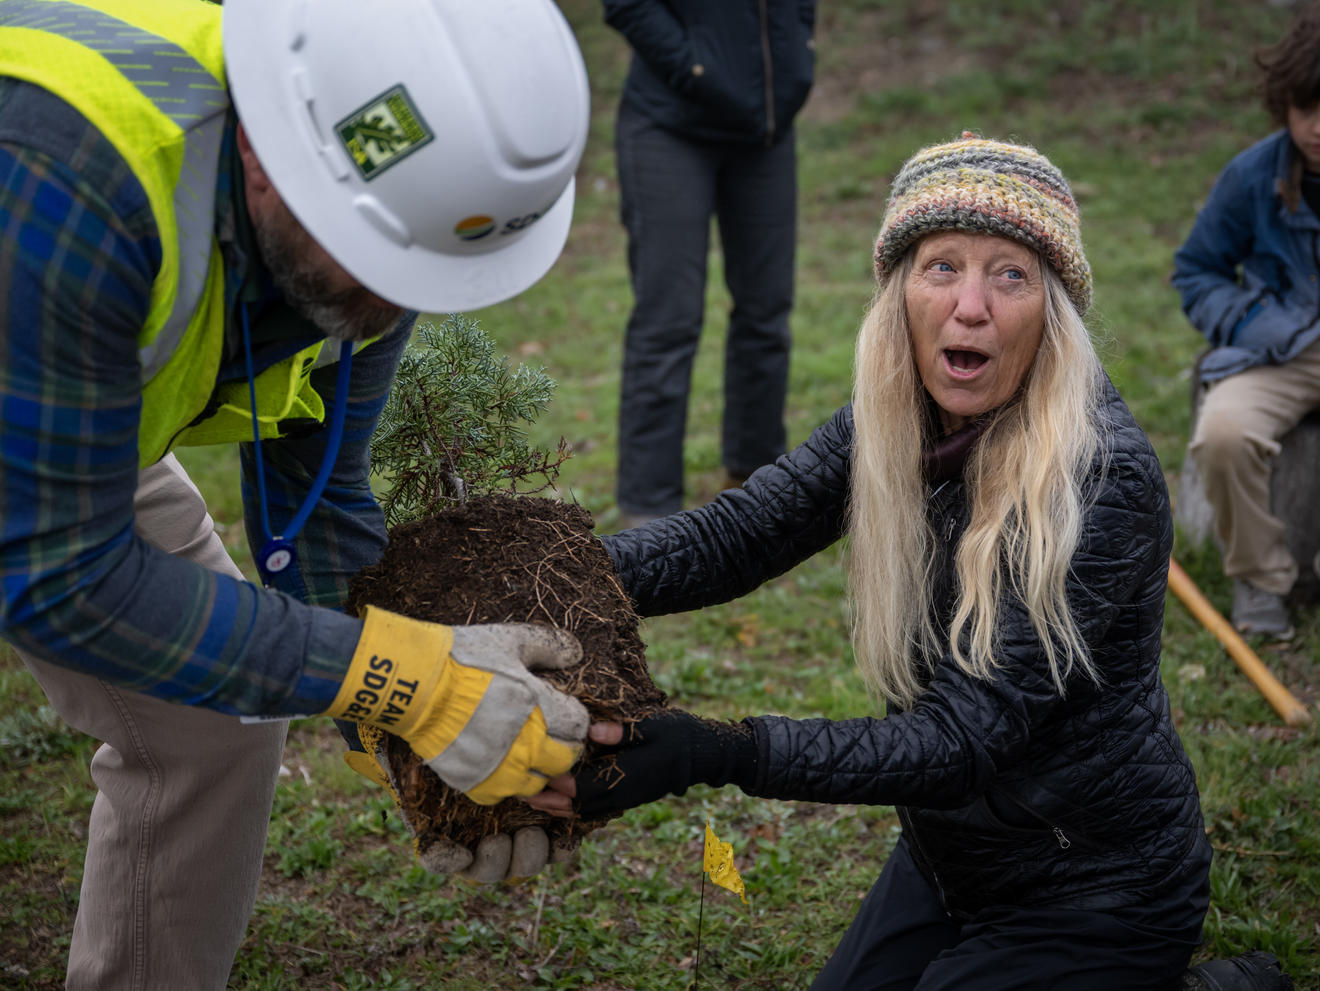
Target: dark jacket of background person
1007,793
1271,311
695,71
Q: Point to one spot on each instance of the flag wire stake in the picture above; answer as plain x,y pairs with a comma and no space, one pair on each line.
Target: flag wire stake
701,906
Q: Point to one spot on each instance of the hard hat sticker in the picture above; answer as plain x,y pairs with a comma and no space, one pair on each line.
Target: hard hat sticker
472,228
382,132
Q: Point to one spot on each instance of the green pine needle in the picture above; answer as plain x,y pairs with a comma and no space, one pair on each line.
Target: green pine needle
454,423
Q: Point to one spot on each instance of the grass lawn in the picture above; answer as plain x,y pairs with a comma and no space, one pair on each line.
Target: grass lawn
1140,104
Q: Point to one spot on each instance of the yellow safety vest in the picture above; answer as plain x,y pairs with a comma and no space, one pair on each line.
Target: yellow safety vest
149,74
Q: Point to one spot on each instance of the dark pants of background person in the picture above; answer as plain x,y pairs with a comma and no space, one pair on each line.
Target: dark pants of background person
902,939
670,187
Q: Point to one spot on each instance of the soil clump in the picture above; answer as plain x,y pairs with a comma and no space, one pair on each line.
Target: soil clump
510,559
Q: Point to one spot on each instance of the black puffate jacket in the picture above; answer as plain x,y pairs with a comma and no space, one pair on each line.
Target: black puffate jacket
1007,792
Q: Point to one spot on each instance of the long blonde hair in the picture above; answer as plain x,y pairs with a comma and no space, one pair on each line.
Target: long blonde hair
1026,488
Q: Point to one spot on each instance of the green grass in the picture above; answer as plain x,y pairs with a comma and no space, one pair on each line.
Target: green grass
1140,104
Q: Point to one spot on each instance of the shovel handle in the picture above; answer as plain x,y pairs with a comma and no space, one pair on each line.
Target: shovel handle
1283,701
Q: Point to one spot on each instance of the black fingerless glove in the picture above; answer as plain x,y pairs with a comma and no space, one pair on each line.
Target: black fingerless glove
665,754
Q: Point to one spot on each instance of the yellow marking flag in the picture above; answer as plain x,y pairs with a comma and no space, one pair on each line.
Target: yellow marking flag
718,863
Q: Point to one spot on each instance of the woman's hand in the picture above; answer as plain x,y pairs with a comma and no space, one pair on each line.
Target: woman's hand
663,754
557,798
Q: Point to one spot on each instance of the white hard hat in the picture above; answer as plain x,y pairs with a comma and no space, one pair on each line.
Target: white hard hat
428,145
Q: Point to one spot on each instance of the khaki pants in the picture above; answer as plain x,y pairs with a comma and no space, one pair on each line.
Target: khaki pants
178,827
1238,429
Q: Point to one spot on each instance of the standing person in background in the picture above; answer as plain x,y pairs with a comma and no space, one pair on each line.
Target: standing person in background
180,269
1250,283
705,128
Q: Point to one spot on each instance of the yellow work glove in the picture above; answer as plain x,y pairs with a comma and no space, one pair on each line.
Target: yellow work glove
466,701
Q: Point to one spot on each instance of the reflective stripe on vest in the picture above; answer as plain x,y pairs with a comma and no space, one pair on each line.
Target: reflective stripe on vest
189,96
149,74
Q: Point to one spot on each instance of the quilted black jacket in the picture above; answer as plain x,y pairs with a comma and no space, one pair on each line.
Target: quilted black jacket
1007,792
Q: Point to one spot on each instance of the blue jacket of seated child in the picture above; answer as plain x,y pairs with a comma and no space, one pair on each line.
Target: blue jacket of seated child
1248,270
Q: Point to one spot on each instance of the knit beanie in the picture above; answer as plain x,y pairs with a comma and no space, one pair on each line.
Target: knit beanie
986,187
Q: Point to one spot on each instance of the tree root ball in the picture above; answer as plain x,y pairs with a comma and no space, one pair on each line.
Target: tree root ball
508,559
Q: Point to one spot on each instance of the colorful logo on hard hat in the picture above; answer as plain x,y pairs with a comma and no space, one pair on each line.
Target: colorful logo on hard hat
473,228
383,132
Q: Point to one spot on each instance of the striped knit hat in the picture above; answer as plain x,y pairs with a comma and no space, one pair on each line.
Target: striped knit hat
986,187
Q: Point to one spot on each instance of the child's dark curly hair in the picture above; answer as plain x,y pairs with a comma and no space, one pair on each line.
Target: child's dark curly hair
1292,66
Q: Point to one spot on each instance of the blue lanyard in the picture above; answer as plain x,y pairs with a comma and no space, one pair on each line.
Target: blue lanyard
277,553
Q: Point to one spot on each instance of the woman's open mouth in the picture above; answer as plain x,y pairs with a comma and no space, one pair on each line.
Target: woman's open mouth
963,363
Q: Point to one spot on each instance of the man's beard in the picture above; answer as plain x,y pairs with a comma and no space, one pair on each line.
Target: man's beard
288,252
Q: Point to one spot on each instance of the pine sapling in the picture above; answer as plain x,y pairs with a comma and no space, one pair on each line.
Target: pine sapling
454,424
465,546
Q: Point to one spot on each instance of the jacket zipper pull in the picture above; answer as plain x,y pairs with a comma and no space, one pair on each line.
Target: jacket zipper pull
1064,842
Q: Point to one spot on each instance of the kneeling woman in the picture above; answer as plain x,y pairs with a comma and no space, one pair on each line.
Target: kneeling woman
1010,537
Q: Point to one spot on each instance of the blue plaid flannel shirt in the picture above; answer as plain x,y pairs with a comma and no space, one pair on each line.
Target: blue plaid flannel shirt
78,253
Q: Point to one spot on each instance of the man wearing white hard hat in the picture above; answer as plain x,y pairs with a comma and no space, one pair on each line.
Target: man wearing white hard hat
217,227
